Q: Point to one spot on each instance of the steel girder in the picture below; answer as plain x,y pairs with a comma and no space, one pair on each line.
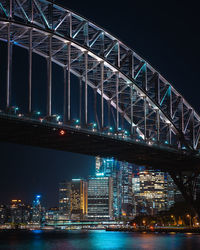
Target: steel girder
155,111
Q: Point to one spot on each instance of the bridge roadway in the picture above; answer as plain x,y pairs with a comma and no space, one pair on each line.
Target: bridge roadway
35,133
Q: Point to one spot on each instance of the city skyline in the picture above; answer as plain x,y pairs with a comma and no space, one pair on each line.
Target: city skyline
116,191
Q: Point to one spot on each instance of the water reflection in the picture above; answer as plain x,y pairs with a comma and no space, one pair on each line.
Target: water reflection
100,240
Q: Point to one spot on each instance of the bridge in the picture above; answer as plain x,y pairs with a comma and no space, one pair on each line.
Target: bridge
114,103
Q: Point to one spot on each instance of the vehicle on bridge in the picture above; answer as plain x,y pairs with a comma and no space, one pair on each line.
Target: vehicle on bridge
52,119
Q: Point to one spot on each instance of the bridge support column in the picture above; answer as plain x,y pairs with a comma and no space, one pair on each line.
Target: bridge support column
145,118
65,93
69,82
80,100
86,90
49,77
158,125
95,105
131,103
30,72
186,183
9,68
117,101
102,99
109,106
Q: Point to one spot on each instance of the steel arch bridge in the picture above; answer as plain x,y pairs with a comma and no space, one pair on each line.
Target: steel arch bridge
137,108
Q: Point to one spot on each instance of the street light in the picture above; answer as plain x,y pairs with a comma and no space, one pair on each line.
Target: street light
190,218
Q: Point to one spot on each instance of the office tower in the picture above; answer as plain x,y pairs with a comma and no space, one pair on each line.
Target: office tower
121,173
135,192
100,198
18,212
64,199
170,191
3,214
109,167
126,185
78,199
153,193
37,210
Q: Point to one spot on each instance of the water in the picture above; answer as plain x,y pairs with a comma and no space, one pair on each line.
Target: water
102,240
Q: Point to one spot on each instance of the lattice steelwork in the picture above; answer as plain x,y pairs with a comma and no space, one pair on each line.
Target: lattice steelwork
134,91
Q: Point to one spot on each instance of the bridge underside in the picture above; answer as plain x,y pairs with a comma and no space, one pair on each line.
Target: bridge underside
79,141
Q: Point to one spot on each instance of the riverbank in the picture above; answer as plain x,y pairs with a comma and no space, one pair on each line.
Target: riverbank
158,230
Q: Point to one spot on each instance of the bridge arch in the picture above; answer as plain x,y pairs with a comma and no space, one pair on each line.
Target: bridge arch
155,111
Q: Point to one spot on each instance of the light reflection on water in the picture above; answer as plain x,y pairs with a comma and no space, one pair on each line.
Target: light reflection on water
103,240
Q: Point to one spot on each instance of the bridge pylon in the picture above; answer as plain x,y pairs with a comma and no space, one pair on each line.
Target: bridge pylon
187,182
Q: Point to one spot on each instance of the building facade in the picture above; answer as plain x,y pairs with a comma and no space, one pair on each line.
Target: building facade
100,198
64,199
153,191
121,173
78,199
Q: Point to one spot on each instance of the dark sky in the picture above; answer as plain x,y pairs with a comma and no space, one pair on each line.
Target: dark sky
165,33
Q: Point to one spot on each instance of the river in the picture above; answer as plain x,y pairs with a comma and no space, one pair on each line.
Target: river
101,240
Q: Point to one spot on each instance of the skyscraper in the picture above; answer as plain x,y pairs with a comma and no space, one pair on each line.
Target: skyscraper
64,199
126,185
100,198
109,167
38,210
152,196
121,173
78,199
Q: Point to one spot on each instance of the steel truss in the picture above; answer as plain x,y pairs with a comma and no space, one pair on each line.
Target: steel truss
187,182
134,91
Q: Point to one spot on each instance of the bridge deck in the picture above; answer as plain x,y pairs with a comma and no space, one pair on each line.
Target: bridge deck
79,141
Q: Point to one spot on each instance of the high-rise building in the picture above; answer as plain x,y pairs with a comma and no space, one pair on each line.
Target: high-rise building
126,185
3,214
78,199
152,197
170,190
121,173
37,211
109,167
100,198
64,199
135,192
18,212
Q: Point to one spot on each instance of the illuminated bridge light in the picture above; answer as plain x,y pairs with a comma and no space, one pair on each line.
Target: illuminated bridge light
99,174
62,132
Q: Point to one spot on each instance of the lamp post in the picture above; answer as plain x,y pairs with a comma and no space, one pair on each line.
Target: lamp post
190,218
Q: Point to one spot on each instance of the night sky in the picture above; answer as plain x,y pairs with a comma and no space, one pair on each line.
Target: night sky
165,33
